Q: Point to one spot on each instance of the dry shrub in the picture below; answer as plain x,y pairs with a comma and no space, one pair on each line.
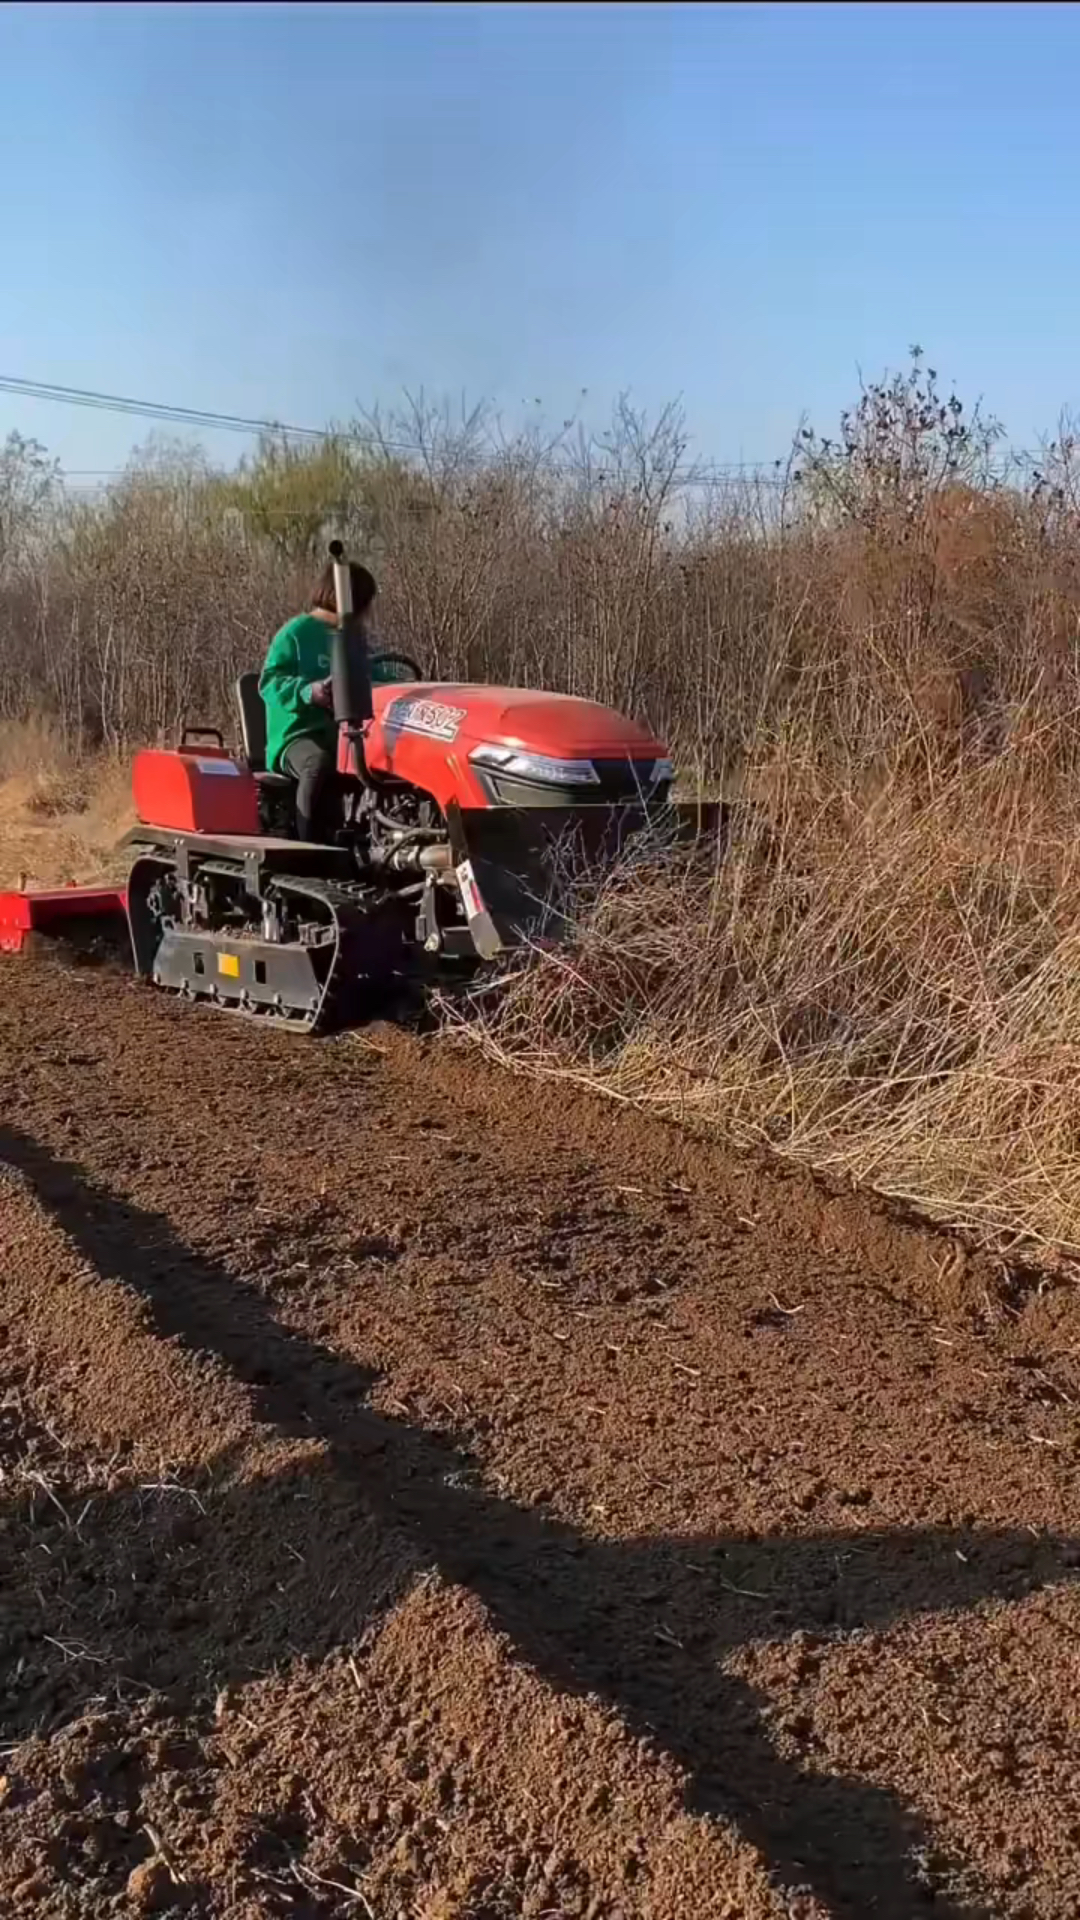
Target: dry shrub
32,749
61,812
888,992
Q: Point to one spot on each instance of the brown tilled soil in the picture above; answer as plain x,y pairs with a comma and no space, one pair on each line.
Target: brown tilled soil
427,1494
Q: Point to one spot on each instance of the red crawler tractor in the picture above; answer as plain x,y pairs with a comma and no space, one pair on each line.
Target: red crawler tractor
461,806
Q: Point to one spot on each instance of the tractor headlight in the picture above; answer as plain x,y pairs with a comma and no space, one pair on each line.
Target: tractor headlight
521,765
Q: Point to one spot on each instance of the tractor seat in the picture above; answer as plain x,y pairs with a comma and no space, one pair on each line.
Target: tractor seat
253,732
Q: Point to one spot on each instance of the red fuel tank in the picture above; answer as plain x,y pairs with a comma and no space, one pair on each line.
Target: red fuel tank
194,790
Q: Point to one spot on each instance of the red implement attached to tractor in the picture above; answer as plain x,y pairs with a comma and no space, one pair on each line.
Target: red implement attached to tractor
463,808
55,912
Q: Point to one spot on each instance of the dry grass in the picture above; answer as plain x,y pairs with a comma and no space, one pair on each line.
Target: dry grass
885,987
61,814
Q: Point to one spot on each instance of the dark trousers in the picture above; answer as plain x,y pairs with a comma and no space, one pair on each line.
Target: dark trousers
318,800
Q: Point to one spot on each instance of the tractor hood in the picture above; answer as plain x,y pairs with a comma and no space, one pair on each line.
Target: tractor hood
485,746
553,723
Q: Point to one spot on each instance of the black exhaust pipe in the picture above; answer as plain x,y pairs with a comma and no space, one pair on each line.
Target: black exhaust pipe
349,672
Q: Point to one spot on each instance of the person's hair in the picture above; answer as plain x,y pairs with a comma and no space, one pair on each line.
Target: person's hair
363,588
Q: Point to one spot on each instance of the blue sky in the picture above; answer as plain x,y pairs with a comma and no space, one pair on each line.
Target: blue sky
289,211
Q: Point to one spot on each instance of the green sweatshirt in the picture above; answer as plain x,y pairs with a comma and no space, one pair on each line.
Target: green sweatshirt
299,655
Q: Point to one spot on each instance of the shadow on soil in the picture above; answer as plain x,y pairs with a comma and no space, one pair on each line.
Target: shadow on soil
303,1561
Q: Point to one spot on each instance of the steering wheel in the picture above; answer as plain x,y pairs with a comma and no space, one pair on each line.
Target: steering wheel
397,660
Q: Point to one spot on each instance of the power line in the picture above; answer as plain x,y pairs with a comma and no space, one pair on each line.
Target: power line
759,472
210,420
184,416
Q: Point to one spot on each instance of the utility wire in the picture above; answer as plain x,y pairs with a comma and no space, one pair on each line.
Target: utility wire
760,472
182,416
207,418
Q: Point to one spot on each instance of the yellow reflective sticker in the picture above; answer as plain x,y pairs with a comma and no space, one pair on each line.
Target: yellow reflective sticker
229,964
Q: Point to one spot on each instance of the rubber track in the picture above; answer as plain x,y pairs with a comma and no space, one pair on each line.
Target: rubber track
350,905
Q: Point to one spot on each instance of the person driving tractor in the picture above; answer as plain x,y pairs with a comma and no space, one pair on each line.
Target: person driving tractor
295,684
